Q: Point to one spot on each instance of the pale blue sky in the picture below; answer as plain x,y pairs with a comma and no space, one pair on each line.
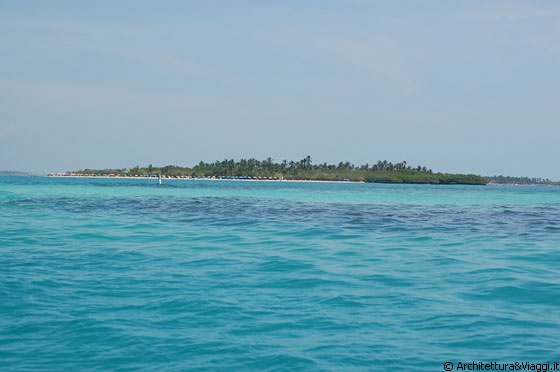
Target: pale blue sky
458,86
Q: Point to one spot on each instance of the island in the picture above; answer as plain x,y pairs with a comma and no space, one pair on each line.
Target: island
303,170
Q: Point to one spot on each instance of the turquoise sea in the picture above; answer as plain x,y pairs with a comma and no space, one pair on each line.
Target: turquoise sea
125,275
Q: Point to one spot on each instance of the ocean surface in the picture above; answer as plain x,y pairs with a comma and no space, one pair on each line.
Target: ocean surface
125,275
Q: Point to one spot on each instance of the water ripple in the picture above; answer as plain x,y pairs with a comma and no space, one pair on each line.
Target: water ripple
126,276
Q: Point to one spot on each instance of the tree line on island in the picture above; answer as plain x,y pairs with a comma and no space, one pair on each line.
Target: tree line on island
381,172
509,180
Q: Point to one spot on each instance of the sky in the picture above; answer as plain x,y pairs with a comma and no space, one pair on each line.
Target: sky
457,86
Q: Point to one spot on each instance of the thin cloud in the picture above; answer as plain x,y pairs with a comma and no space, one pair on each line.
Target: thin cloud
55,96
381,57
7,131
510,17
509,11
129,42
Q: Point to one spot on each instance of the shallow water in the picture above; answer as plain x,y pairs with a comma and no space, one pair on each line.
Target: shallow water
113,274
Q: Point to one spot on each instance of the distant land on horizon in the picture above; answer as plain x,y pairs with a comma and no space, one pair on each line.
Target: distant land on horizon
13,173
380,172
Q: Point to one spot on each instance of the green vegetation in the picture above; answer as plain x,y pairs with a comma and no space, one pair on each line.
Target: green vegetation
507,180
380,172
413,176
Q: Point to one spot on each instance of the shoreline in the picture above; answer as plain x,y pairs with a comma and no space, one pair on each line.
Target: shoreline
262,179
268,179
59,175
